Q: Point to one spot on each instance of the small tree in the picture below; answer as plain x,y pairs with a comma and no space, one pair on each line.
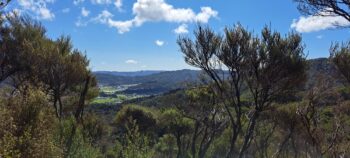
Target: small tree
21,40
340,56
29,57
202,107
267,67
180,127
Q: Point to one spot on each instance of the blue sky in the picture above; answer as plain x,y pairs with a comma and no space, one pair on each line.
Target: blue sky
130,35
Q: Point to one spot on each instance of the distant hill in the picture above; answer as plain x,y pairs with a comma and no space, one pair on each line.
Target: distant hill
323,67
155,83
316,68
132,74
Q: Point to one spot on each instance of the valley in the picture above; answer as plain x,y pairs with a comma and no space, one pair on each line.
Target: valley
174,79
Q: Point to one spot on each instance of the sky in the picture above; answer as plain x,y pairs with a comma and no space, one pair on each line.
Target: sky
132,35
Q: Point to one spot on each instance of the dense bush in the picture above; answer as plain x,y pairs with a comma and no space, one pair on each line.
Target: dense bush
27,126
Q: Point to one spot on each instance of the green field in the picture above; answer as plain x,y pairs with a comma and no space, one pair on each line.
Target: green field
114,98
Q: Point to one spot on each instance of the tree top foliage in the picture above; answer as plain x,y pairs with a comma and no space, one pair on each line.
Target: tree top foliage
325,7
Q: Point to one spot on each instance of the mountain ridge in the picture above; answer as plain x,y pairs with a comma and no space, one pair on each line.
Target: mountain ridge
157,82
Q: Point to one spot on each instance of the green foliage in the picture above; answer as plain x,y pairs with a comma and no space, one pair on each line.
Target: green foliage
26,126
172,120
70,137
105,101
340,56
133,143
166,146
94,128
30,57
243,111
144,118
269,66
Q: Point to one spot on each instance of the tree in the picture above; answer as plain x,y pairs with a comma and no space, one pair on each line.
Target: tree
325,8
29,57
144,117
202,107
27,126
137,127
340,56
238,62
21,40
177,125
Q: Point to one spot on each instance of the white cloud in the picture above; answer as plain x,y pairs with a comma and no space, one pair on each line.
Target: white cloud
123,26
77,2
319,37
318,23
85,12
159,10
38,8
103,17
101,1
205,14
182,29
118,4
131,61
65,10
156,11
80,23
159,43
45,13
25,3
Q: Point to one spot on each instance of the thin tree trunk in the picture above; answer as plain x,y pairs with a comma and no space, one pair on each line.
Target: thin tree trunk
55,107
179,146
61,106
249,133
81,104
194,140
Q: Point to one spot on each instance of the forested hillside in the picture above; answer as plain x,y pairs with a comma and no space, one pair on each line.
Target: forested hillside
250,93
131,74
155,83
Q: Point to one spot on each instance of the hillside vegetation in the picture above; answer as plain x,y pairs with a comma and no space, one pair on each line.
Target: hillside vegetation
156,83
254,95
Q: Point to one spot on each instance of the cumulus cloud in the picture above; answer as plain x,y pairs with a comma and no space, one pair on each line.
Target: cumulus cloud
156,11
131,61
182,29
318,22
205,14
38,8
85,12
159,10
159,43
123,26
